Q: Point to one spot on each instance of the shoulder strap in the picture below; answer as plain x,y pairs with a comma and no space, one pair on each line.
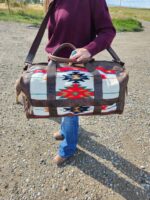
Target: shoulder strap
38,38
115,56
40,33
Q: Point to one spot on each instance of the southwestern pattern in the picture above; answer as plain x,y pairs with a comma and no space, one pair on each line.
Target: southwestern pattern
75,92
56,90
76,77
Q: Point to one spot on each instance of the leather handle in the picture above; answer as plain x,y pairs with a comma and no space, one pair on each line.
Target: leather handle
65,60
59,59
63,46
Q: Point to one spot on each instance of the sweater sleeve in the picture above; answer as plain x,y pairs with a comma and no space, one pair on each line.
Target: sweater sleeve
103,27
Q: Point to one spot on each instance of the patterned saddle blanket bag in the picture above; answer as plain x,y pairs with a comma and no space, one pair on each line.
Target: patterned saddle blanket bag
59,88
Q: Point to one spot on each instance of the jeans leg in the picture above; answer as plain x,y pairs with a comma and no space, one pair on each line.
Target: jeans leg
69,129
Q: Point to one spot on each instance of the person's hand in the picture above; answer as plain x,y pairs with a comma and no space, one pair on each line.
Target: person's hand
80,54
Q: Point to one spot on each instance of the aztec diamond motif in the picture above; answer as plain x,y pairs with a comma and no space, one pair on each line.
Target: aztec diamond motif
75,91
76,77
75,110
78,109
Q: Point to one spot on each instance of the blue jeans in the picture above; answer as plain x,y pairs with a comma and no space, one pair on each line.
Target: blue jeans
69,129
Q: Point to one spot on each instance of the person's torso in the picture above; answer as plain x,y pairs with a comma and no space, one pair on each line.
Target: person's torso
70,21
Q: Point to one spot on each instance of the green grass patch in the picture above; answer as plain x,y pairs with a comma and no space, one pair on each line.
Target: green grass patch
127,25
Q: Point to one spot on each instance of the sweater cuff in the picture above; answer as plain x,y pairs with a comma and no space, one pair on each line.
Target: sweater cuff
92,48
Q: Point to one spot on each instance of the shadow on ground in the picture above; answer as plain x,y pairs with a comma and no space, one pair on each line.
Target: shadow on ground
100,172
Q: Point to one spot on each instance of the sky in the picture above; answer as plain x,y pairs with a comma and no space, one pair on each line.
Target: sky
130,3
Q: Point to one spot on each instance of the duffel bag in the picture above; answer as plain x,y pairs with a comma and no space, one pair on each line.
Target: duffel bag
61,88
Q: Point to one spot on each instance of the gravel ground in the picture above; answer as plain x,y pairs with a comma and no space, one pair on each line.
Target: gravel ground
113,157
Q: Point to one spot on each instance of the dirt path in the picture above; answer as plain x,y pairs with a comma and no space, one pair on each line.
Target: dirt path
113,160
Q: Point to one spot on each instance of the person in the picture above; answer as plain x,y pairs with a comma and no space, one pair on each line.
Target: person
87,25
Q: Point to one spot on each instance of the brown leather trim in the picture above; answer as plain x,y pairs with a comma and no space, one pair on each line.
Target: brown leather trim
72,103
25,84
97,110
87,114
123,86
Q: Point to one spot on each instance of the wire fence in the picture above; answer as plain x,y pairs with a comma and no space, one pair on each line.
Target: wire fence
130,3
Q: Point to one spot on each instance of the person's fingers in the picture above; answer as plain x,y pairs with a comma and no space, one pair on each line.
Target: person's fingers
80,55
81,58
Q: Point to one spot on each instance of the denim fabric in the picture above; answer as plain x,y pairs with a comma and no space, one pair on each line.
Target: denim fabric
69,129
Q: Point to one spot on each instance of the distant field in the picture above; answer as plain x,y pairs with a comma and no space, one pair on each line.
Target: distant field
124,19
32,14
123,13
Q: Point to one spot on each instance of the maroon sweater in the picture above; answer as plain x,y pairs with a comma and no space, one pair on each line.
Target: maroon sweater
84,23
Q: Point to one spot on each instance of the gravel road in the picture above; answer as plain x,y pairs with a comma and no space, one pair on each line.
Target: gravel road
113,157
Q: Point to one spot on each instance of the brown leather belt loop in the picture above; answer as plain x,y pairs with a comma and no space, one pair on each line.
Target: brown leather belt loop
97,86
51,86
97,110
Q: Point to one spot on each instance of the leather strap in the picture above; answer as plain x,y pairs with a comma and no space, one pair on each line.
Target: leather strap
35,45
97,86
38,38
51,83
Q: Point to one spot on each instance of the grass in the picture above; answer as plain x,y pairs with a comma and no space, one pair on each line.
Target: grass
20,16
30,15
127,25
124,19
124,13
